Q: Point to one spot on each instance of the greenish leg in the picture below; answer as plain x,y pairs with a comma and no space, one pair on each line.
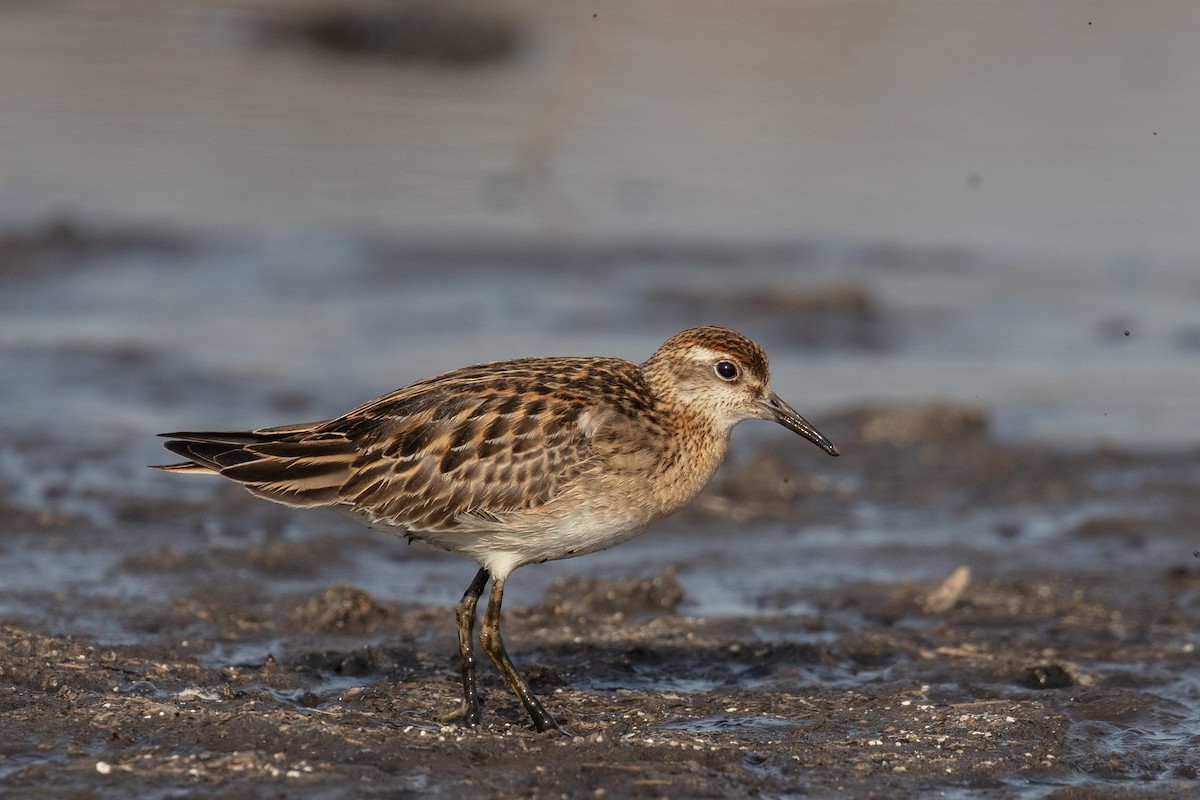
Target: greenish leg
493,645
465,614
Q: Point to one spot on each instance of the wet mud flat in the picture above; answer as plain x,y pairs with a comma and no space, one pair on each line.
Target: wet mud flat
1060,661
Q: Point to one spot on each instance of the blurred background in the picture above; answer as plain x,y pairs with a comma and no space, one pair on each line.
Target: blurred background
993,203
232,213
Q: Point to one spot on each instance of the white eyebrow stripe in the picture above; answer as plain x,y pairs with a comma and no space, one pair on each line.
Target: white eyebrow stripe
704,351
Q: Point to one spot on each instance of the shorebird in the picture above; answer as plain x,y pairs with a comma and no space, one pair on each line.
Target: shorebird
515,462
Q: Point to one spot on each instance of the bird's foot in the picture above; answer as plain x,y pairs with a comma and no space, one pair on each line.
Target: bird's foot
468,715
543,722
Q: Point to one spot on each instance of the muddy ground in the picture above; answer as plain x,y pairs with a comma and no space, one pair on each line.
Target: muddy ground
1058,664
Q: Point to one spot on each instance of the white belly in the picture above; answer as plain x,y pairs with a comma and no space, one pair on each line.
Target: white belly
501,550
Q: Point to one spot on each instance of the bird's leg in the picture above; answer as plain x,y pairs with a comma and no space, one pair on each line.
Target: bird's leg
465,614
493,645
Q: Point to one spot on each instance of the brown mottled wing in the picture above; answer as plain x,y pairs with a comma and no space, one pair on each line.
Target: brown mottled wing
461,450
472,447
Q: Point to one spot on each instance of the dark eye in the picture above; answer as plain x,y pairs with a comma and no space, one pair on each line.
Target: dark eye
726,370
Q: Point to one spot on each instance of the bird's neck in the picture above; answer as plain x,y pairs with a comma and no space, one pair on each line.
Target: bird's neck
693,441
690,457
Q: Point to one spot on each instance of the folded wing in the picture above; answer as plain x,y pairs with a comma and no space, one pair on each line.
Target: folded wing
463,450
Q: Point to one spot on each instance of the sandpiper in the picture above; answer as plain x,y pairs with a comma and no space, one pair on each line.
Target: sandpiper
515,462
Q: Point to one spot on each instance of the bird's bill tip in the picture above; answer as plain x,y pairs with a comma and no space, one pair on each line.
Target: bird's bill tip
789,418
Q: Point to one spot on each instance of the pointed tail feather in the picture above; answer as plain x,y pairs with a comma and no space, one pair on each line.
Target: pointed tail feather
255,436
186,466
290,464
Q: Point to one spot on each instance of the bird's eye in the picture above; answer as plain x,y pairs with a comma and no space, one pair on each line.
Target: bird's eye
726,370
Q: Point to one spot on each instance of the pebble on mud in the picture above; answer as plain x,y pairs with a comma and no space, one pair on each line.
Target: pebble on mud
1054,675
951,590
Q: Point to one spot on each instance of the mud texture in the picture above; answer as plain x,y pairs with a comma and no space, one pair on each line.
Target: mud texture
1040,672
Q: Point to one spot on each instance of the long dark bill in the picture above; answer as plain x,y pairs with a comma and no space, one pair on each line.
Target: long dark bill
789,418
